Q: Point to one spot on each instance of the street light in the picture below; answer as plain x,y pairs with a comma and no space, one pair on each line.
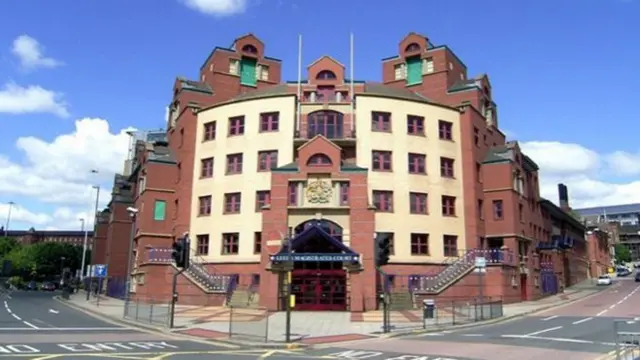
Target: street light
6,228
86,238
133,212
93,239
82,228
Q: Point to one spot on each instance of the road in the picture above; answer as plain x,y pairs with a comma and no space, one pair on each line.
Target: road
579,331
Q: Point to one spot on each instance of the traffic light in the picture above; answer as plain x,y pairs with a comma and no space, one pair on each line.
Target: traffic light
382,249
180,253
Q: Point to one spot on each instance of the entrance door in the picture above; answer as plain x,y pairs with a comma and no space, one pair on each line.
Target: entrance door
318,290
523,287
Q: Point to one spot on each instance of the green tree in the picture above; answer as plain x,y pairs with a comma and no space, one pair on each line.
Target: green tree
7,244
623,255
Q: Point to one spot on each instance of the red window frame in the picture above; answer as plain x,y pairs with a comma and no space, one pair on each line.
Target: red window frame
344,194
381,160
383,200
204,205
446,167
206,168
448,205
234,164
230,243
319,160
236,126
415,125
263,198
232,203
450,245
292,197
419,244
202,247
418,203
209,131
269,122
417,163
267,160
445,130
380,121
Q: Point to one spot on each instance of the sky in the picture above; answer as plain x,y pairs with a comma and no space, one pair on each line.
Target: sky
75,76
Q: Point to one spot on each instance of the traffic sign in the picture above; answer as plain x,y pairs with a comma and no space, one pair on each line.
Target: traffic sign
100,271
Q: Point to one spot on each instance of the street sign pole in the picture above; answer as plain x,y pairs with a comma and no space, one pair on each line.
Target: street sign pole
481,268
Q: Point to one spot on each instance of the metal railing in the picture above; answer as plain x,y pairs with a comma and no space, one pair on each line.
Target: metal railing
148,311
627,339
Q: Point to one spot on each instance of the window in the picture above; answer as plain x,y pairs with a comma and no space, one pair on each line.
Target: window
326,75
267,160
479,172
250,49
414,70
448,205
230,243
381,160
380,121
232,203
234,164
263,198
444,130
257,242
498,210
417,163
292,196
159,210
248,71
206,168
383,200
476,136
209,131
329,124
142,184
391,248
344,194
400,71
427,66
418,203
419,244
450,245
412,47
415,125
269,121
262,72
202,246
204,205
319,160
446,167
236,126
481,209
521,212
234,66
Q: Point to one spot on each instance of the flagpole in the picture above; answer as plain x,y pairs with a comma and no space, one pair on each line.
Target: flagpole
299,115
353,94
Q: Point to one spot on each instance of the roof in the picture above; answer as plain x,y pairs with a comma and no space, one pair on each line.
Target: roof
557,212
610,210
344,167
315,232
48,233
192,85
505,153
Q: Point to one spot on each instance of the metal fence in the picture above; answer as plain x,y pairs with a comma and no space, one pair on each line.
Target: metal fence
148,311
250,323
627,339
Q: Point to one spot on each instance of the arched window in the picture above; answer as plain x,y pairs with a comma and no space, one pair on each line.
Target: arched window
249,49
329,226
412,47
329,124
326,75
319,160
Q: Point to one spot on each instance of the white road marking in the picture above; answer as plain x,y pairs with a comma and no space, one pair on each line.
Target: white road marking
33,328
473,335
619,302
601,313
54,311
582,321
433,334
577,341
550,318
544,331
30,325
16,317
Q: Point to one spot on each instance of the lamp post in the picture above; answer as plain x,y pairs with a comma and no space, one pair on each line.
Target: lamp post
93,239
133,212
6,228
84,249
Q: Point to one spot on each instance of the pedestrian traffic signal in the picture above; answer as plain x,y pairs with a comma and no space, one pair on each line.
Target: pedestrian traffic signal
382,249
180,253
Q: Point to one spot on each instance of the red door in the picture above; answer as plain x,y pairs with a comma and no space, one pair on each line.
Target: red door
319,290
523,287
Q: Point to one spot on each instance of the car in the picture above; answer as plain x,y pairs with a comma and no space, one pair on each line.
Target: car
48,286
604,280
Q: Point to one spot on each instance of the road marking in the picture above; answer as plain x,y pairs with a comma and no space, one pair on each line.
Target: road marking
473,335
601,313
433,334
16,317
35,328
544,331
30,325
550,318
54,311
576,341
582,321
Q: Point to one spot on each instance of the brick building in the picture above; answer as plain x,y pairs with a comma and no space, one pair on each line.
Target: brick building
33,236
249,161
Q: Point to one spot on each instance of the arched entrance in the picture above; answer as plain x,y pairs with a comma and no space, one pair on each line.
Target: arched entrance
318,285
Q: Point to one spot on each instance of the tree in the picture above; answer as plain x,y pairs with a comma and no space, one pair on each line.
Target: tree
623,255
7,244
44,259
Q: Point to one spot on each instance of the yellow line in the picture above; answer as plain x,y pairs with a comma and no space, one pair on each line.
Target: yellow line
47,357
268,353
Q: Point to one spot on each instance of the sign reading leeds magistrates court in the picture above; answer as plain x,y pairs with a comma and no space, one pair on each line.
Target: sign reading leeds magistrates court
314,257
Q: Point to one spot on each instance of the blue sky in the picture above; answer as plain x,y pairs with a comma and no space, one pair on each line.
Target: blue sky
563,73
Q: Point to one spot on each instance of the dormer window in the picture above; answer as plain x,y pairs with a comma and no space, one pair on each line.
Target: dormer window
319,160
249,49
412,47
326,75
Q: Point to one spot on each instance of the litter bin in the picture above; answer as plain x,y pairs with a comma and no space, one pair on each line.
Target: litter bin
428,312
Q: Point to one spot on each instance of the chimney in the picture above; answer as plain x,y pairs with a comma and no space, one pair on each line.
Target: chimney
563,194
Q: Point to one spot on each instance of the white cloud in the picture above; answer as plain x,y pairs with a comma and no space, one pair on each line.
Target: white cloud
217,7
59,172
586,173
31,54
15,99
19,213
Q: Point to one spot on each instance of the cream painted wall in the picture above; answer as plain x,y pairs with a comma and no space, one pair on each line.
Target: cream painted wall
401,222
250,181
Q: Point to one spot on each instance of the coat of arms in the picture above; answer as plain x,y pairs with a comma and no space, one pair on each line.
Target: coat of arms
319,192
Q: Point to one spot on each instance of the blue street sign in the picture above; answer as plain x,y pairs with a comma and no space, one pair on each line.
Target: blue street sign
100,271
314,257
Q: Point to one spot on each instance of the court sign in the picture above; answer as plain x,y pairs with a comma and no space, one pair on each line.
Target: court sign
315,257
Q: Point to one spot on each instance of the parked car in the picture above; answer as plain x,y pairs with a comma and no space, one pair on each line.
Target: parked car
48,286
604,280
32,285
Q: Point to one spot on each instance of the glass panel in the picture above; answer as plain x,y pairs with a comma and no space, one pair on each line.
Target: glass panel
248,72
414,70
159,210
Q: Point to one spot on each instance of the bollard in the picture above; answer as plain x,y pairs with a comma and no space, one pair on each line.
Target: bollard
428,312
